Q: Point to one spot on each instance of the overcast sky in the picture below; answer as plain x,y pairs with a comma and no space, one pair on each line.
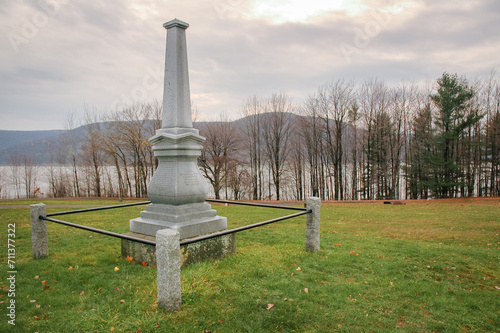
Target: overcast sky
58,56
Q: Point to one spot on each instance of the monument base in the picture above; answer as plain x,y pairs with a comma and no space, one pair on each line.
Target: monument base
209,249
190,220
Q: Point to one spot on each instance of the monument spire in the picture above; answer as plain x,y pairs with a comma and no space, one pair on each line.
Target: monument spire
177,190
176,95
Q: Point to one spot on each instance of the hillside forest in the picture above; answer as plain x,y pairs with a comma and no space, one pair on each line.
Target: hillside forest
347,141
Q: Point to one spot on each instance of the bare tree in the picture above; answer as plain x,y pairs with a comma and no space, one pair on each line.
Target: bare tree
15,169
58,178
298,159
218,153
353,122
276,133
126,143
238,180
401,105
312,128
338,97
69,141
29,176
252,110
93,154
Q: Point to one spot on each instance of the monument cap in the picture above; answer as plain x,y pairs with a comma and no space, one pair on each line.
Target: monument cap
175,23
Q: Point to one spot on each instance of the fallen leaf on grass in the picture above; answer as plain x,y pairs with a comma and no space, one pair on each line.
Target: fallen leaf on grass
306,290
298,269
122,301
497,287
117,269
144,263
70,268
82,293
44,282
157,325
32,300
36,277
269,306
129,259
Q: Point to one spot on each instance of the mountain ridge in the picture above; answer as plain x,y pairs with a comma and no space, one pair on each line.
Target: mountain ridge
38,145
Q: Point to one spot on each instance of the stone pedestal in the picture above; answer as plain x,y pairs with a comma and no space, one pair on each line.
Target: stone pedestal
210,249
189,220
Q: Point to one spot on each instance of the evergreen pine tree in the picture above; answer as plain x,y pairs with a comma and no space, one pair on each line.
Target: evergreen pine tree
452,98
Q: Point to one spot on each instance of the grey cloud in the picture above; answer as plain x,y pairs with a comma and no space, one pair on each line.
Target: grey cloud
94,52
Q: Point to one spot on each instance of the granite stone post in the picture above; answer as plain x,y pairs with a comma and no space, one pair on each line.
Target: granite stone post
168,256
312,225
39,240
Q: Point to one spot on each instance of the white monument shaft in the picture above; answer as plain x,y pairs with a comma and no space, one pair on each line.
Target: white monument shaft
176,96
177,189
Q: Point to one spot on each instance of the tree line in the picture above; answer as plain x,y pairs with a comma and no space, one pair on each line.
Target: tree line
347,141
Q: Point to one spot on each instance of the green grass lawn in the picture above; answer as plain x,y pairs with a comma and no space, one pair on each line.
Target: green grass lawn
422,267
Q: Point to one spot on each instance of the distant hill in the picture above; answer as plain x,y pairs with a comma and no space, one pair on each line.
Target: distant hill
39,144
10,139
36,144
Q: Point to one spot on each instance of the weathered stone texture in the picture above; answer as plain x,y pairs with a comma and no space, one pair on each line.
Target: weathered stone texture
313,223
210,249
39,238
168,256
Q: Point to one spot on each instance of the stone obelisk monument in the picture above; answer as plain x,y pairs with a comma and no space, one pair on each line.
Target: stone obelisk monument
177,190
